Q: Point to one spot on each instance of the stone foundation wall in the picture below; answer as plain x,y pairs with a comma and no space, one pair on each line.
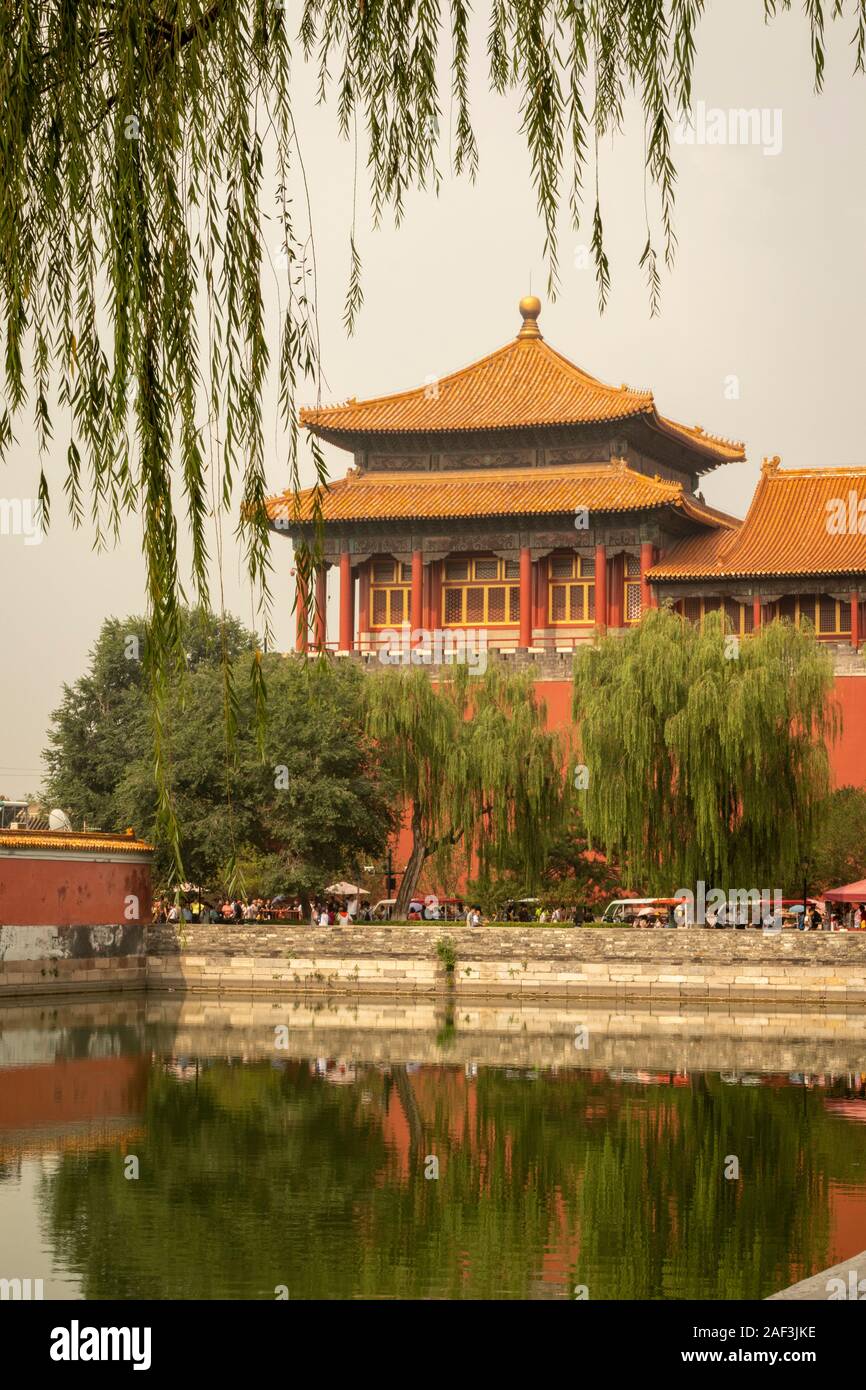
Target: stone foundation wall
507,963
513,962
48,960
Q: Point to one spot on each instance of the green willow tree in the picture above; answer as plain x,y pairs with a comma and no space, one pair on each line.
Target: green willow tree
839,854
148,150
707,759
475,766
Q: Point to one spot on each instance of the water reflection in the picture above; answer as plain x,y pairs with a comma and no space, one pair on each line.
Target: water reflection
599,1165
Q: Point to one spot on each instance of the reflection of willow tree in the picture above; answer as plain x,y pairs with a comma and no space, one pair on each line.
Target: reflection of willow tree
254,1177
245,1175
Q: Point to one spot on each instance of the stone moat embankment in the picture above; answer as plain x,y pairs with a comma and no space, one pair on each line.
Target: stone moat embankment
495,963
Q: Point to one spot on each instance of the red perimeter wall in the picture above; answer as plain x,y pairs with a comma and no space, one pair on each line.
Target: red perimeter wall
76,892
847,756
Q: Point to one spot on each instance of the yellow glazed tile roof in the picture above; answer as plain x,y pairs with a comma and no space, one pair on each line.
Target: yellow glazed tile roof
526,384
492,492
792,528
73,840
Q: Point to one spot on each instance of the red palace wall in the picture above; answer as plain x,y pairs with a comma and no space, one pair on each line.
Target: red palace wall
74,892
847,756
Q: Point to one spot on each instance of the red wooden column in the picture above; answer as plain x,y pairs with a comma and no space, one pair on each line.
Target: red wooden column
616,597
647,597
434,595
320,616
601,589
756,614
302,613
347,604
416,615
541,594
525,639
364,602
855,621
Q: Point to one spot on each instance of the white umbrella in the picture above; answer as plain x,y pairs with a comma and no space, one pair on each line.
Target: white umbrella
347,890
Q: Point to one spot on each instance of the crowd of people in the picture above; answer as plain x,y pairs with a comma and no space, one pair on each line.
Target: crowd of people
329,912
198,909
325,912
534,912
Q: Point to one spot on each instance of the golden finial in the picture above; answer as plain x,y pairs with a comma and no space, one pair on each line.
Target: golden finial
530,308
770,465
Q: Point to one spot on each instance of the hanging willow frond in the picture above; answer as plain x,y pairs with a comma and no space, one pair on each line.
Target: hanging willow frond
144,149
473,759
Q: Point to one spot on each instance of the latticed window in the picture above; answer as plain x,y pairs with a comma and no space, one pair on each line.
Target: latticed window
390,587
830,617
474,605
453,606
571,579
739,616
632,590
476,594
496,605
693,609
787,609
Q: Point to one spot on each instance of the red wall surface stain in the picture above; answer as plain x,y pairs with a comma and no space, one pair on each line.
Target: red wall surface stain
72,892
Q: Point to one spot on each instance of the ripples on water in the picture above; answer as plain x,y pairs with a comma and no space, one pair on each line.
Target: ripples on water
312,1167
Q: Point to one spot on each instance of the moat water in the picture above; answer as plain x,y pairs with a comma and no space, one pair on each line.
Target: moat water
197,1149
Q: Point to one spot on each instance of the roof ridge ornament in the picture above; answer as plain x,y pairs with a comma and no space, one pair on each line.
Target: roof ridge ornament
770,466
530,308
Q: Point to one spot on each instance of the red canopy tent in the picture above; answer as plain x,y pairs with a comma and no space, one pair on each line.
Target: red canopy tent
848,893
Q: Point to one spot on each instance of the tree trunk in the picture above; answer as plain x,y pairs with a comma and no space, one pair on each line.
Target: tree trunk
413,869
409,1106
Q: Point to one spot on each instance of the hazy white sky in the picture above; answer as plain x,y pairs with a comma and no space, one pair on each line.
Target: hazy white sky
769,287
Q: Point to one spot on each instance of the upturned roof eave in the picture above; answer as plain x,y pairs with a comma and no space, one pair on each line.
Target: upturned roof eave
658,575
710,519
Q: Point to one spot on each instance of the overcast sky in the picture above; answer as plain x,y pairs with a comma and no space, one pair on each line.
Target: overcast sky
768,288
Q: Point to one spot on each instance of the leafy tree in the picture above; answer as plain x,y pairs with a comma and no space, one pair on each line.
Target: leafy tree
293,811
102,723
475,766
706,761
839,853
573,874
136,145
